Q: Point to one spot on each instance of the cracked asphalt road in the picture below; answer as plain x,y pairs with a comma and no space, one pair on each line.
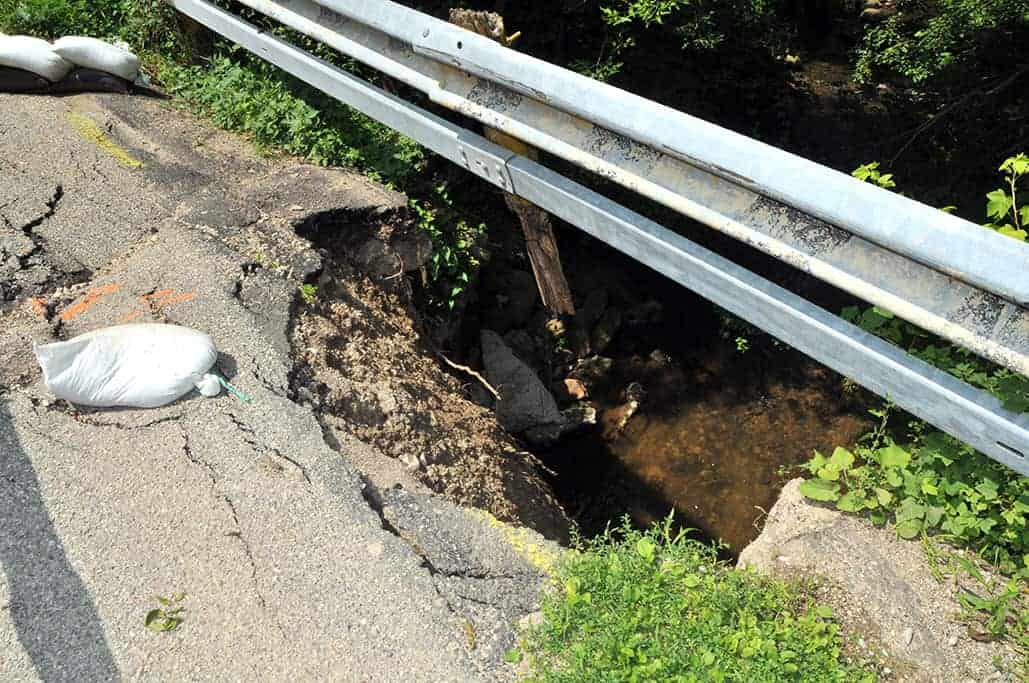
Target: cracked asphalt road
293,565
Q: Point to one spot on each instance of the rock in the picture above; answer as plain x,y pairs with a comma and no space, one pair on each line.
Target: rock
523,345
573,389
880,584
592,370
606,329
613,420
526,402
580,415
877,13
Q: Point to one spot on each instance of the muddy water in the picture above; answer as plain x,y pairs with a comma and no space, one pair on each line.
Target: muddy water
711,441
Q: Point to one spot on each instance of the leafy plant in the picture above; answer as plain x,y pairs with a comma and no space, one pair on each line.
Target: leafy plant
927,40
277,111
870,173
657,606
1007,217
454,257
309,293
168,616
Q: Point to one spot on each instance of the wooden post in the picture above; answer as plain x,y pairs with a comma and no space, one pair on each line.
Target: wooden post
536,226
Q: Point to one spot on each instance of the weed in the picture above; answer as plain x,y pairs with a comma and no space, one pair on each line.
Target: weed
870,173
654,605
309,294
1007,217
455,248
168,616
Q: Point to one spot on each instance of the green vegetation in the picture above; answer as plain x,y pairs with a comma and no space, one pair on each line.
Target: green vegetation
168,616
932,484
454,259
657,606
931,39
309,294
278,112
697,26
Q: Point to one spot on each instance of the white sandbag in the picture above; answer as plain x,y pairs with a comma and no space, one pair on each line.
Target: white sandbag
92,53
35,55
140,366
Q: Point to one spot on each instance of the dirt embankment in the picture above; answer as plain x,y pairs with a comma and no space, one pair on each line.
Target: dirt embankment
365,365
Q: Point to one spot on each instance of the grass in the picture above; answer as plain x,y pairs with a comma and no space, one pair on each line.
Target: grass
656,606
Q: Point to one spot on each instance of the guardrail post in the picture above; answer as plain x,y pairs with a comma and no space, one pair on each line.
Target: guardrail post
536,225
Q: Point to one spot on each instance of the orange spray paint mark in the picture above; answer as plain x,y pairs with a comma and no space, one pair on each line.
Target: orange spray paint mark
38,306
88,301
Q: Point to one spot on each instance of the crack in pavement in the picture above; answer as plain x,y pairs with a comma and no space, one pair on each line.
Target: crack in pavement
237,532
51,208
251,441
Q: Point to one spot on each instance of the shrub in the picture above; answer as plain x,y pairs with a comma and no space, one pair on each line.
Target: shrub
931,39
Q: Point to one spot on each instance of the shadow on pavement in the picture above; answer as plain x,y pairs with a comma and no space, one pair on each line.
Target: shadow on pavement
52,612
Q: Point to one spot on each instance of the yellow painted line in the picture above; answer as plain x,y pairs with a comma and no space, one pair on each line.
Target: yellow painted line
87,128
542,557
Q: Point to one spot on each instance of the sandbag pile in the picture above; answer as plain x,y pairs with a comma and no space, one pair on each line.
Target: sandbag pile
70,64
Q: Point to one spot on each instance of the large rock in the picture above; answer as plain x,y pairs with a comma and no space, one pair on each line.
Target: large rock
878,584
526,403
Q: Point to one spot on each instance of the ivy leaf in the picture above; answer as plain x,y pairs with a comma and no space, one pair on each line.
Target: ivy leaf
820,490
998,204
884,497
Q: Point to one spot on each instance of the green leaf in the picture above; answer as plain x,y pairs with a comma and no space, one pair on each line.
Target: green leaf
910,510
893,478
850,502
829,473
933,515
151,620
817,489
646,548
909,529
988,488
883,496
894,456
998,204
1011,231
512,656
691,580
1024,215
842,459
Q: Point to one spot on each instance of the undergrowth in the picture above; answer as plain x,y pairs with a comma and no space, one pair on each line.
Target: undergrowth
931,484
657,606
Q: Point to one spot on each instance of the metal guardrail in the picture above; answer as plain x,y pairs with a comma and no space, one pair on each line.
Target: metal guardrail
951,277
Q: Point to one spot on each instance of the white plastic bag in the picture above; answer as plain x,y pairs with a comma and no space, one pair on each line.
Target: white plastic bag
35,55
92,53
140,366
